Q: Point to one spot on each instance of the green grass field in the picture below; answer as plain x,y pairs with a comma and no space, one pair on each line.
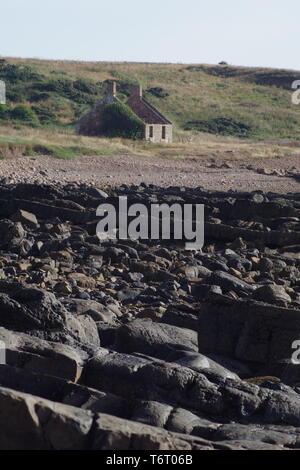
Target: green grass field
237,102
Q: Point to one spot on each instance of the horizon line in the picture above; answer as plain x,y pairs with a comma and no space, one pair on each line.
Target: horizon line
146,62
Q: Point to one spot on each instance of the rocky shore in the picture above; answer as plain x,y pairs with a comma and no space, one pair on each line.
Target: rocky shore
142,344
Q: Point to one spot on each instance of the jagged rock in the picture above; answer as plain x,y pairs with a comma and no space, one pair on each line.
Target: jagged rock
133,376
26,218
32,423
11,233
97,193
129,294
152,413
63,287
247,330
63,293
84,329
42,356
82,280
16,316
133,436
199,363
228,282
154,339
181,315
204,272
273,294
184,421
240,432
97,311
39,306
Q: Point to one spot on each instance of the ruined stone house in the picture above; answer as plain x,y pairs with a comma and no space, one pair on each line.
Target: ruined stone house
157,127
2,92
90,123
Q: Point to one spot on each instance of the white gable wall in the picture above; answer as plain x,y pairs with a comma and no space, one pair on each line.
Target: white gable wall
2,92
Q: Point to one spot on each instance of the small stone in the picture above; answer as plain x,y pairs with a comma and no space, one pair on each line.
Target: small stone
26,218
63,287
83,295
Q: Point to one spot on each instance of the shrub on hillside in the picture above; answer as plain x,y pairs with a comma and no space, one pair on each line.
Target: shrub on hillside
118,120
87,86
23,113
158,92
4,109
17,73
37,96
16,95
80,91
45,115
220,125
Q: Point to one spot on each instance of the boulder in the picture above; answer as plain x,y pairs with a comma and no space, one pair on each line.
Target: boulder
36,306
134,436
247,330
84,329
154,339
229,282
40,356
273,294
31,423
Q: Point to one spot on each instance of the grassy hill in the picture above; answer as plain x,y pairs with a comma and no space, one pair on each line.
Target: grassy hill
247,103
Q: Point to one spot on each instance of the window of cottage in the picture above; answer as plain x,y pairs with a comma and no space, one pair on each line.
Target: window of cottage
151,131
163,132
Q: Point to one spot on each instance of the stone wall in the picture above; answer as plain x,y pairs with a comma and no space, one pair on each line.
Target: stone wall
2,93
157,133
90,124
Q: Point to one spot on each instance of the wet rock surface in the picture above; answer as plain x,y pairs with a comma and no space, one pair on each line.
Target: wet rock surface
142,344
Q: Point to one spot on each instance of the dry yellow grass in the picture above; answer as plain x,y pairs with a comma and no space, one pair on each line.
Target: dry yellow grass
186,145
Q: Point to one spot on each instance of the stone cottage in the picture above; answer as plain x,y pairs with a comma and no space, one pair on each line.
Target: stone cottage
157,127
2,92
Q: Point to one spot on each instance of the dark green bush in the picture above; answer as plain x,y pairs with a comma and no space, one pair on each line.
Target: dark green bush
62,86
87,86
24,113
4,109
158,92
17,73
220,125
73,90
118,120
37,96
16,95
44,114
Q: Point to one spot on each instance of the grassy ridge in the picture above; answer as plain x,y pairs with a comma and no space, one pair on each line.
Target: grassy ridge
242,102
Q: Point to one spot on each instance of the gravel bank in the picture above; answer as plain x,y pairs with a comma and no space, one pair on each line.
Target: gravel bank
115,170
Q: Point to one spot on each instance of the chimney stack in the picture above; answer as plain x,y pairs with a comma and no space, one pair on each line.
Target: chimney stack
112,88
136,90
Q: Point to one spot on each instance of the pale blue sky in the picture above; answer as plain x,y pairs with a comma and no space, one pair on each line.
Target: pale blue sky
241,32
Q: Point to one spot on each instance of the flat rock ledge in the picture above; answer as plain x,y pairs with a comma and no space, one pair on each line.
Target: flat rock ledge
143,345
